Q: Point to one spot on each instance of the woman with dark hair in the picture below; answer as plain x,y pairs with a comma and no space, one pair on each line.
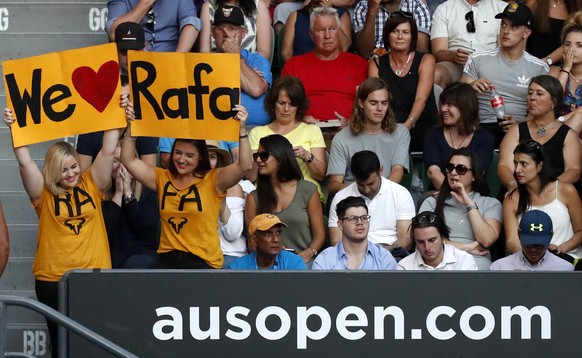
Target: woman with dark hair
287,103
538,190
409,75
282,191
561,143
459,113
464,202
372,127
189,195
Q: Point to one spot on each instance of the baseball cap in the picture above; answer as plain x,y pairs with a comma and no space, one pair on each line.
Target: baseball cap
535,228
224,154
264,222
519,14
227,13
129,36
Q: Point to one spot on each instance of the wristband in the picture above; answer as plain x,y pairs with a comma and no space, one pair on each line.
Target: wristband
241,136
311,157
314,250
471,207
563,70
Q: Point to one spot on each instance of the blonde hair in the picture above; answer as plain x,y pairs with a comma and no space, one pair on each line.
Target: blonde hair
572,24
53,165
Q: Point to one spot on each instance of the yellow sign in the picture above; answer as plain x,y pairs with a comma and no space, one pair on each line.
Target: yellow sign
64,93
184,95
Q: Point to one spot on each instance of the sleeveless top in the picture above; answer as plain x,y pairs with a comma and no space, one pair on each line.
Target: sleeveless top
297,234
249,42
571,102
561,223
403,93
553,149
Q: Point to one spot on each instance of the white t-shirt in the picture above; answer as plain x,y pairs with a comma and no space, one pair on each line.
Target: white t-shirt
453,259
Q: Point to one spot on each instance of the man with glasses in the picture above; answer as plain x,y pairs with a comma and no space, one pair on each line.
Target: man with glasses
535,233
390,205
170,25
508,68
370,16
265,232
354,251
459,27
430,234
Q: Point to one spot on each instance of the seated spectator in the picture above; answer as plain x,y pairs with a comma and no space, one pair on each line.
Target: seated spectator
459,113
390,205
372,127
330,76
286,103
370,17
537,190
354,251
561,144
296,37
282,191
265,231
231,215
463,201
132,219
409,75
433,253
459,28
535,234
257,23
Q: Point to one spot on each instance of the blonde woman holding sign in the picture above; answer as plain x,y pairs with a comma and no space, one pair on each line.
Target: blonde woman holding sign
189,196
71,229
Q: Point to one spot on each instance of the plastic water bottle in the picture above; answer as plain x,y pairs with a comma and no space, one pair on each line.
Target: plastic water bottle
497,103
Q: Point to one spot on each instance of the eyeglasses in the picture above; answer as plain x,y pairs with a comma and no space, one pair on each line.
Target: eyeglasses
401,13
354,219
424,217
461,169
150,22
263,156
471,24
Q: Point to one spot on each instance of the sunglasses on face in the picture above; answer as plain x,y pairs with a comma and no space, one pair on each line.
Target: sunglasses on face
471,21
401,13
150,22
354,219
459,168
425,217
263,156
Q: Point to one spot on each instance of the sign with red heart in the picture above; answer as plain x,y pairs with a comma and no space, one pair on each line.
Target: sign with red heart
97,88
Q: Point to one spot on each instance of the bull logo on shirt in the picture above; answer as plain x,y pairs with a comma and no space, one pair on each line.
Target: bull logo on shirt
533,227
75,225
177,223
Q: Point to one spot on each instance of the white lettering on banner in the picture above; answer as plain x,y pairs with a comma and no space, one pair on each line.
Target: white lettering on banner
97,18
3,19
241,329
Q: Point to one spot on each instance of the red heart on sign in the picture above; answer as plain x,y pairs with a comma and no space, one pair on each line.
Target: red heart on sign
97,88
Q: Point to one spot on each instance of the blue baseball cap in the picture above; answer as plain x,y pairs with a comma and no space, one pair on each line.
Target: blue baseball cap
535,228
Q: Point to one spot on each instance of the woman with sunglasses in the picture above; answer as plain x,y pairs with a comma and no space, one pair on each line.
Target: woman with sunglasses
282,191
464,202
287,103
537,189
189,195
409,75
459,113
560,143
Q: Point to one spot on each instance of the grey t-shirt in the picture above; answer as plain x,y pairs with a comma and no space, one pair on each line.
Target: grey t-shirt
510,78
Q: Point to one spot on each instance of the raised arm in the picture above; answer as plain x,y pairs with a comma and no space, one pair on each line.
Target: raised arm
117,10
188,36
263,30
204,42
31,176
288,37
101,167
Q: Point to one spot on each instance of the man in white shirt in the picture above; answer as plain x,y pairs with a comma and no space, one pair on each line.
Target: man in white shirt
430,233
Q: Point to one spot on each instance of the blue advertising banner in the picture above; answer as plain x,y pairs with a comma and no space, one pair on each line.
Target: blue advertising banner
328,314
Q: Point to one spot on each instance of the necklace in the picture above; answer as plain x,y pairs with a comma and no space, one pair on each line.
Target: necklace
556,4
453,143
577,80
541,131
399,72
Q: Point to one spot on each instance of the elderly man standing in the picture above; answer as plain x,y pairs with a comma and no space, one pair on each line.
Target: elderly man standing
430,233
330,76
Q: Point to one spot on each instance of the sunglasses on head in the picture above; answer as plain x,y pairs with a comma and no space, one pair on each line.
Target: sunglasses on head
401,13
150,22
530,143
471,24
425,217
263,156
461,169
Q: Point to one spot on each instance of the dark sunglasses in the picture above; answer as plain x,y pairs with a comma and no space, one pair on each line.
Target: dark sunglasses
401,13
425,217
471,24
459,168
263,156
150,22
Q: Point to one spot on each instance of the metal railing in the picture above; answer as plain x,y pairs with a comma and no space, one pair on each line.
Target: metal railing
59,319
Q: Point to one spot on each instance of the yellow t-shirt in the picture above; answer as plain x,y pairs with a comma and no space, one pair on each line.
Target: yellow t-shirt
71,232
189,217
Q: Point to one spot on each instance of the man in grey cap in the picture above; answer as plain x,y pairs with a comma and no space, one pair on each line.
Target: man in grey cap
535,233
128,36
